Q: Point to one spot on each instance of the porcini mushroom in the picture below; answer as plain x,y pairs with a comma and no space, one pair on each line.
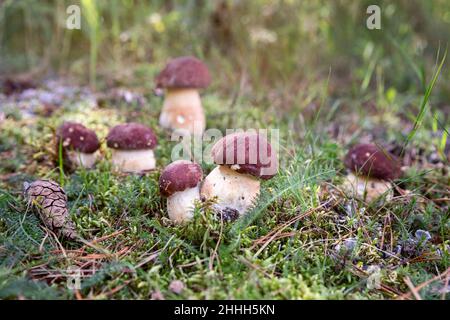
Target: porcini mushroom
132,147
371,170
179,182
182,108
243,159
79,144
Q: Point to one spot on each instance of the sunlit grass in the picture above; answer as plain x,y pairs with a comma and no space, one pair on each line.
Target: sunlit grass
92,17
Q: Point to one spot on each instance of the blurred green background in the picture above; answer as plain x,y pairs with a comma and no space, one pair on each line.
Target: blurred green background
275,46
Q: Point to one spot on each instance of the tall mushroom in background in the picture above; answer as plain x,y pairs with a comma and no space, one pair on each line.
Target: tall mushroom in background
243,159
371,170
179,182
182,108
132,147
79,145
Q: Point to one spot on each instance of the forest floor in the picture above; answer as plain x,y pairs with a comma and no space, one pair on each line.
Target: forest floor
305,238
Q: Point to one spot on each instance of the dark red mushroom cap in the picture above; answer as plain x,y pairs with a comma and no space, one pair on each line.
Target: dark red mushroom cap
248,153
75,136
179,176
372,161
184,72
131,136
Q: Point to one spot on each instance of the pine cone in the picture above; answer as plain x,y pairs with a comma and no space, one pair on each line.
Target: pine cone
51,202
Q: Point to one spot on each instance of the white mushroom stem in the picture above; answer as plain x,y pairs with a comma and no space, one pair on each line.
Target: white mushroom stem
133,160
367,189
233,190
81,159
182,109
180,205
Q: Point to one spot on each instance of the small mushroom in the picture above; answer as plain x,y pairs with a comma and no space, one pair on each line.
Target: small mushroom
179,182
372,169
132,147
243,159
182,108
79,144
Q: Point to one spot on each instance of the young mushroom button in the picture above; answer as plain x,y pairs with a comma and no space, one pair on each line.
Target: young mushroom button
371,170
182,108
132,147
243,159
79,144
179,182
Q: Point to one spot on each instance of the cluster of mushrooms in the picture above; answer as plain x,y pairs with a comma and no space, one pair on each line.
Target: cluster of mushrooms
234,185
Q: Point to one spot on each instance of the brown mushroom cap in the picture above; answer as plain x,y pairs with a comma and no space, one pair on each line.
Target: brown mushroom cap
131,136
75,136
179,176
371,161
184,72
246,152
